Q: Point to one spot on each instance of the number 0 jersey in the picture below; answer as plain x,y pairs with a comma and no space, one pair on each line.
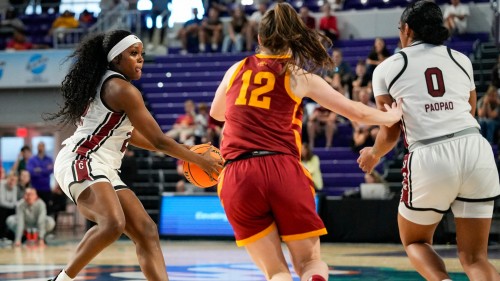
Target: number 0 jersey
102,134
262,113
434,83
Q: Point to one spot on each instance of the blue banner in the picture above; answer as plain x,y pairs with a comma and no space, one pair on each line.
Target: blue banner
193,215
28,69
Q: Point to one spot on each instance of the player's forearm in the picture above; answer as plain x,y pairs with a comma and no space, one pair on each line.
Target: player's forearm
386,140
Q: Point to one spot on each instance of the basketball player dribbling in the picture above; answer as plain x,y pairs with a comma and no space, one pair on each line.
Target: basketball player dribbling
449,164
110,113
267,194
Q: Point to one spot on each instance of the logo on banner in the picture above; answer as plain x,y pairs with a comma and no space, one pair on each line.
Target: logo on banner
37,64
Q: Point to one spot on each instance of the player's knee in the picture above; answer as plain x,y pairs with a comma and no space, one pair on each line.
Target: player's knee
149,230
114,227
470,259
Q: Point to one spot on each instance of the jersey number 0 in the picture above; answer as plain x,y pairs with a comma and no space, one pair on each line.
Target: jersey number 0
435,82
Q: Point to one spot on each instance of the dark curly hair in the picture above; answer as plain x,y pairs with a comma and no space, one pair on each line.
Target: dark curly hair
80,84
425,18
282,30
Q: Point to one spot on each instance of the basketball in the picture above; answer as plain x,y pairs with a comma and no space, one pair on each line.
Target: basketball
195,174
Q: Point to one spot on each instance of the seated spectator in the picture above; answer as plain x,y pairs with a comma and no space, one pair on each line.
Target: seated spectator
328,24
2,172
19,42
183,128
377,55
237,28
311,162
320,121
158,7
8,201
58,203
128,169
308,20
487,113
361,80
201,124
31,213
253,25
340,78
222,6
211,31
11,21
86,19
24,183
455,17
188,34
65,21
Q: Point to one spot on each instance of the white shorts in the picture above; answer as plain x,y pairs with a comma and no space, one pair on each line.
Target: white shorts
439,175
75,173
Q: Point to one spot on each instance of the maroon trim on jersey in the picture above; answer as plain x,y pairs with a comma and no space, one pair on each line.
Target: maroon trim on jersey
90,144
406,194
81,170
403,129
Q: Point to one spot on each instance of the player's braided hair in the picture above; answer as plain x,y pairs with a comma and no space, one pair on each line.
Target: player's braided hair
426,20
89,65
281,30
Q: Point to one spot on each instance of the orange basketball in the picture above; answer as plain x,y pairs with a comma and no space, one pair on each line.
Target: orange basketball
195,174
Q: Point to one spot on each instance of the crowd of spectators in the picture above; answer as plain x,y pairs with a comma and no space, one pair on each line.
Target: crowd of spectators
28,204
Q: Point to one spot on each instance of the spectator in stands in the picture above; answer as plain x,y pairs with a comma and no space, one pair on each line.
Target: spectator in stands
361,80
321,121
188,34
487,112
455,17
201,124
41,166
306,17
328,23
31,213
22,160
65,21
18,42
311,162
237,28
158,7
2,172
24,182
8,200
340,78
211,31
377,55
183,128
86,19
253,25
58,203
222,6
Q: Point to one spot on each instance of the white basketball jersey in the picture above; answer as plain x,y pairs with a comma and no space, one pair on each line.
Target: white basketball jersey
102,134
434,83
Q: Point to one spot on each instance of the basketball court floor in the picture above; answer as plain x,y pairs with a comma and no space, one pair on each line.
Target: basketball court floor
198,260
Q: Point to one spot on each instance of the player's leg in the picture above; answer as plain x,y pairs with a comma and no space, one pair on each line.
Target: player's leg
417,240
267,254
473,222
143,231
98,203
306,259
